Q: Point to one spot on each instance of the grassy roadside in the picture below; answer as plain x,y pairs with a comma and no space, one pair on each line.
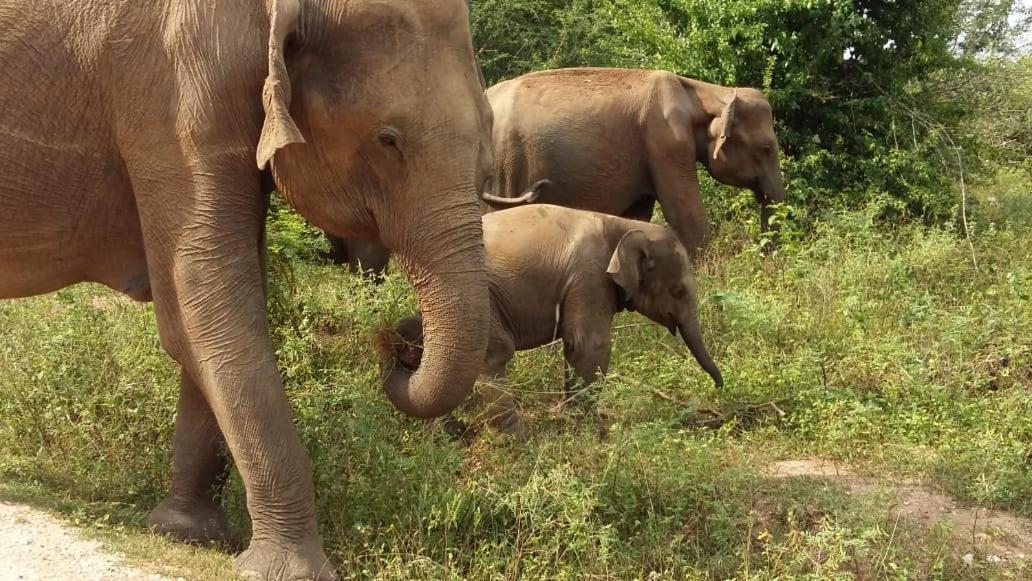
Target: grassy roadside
880,347
115,526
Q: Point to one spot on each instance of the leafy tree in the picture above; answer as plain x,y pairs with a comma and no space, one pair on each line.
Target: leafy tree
861,88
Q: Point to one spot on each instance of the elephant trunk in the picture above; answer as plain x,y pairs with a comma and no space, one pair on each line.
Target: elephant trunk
772,193
766,212
691,333
443,257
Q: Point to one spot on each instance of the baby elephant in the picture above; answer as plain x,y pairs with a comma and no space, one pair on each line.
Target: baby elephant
556,272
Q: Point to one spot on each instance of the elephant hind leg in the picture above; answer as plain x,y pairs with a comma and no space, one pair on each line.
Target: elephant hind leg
206,276
499,408
191,513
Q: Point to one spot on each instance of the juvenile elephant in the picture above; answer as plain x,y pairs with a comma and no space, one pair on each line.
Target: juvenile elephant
133,135
558,272
616,141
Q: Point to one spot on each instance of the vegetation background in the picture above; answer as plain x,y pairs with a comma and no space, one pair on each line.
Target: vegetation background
890,331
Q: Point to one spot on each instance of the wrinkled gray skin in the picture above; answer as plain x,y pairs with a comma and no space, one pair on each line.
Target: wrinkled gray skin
592,266
617,141
132,138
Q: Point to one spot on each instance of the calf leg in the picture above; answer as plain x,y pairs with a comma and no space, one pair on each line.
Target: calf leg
499,408
586,349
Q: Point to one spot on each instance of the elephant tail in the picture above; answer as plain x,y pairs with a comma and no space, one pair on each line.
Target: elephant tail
529,197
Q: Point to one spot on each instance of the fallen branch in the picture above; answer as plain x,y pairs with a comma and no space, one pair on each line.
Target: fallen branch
745,414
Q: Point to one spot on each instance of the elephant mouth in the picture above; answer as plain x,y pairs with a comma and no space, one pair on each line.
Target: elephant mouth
401,363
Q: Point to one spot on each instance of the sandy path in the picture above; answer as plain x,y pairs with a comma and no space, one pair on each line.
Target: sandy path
35,546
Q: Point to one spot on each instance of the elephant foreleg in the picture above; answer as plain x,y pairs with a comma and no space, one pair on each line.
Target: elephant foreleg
676,181
586,349
587,345
499,408
678,194
191,513
206,274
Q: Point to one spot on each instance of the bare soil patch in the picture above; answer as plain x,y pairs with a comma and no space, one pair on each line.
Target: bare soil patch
993,534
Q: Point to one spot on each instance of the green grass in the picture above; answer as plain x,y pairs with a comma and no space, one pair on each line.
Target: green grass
882,346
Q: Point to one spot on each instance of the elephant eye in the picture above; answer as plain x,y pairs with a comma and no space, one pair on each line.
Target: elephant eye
388,137
679,292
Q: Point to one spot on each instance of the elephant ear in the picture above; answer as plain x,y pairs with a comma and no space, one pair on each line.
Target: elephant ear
727,121
630,261
279,129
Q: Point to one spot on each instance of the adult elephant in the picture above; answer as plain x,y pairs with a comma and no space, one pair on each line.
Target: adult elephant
617,141
133,135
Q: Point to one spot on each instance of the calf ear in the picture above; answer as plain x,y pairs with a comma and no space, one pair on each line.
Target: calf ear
727,122
279,129
630,261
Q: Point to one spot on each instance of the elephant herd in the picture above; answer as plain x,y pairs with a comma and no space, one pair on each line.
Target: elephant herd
618,141
140,141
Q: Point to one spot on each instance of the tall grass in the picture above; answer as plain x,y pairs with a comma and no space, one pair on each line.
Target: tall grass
879,346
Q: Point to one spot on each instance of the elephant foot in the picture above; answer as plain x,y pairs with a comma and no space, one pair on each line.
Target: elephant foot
509,423
272,560
460,431
200,522
501,412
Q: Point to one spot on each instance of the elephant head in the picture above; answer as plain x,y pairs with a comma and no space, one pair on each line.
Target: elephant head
741,145
655,273
377,128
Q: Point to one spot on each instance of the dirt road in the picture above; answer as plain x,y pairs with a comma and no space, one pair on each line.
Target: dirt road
35,546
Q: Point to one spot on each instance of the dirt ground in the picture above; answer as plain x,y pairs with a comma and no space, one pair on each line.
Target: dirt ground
993,535
35,546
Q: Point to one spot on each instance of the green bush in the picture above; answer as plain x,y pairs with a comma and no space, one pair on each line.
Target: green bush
873,100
